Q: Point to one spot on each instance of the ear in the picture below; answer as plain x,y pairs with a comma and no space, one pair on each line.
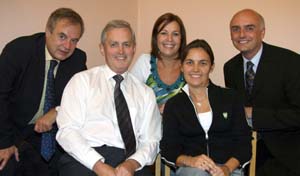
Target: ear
101,47
181,68
48,33
212,68
134,48
263,33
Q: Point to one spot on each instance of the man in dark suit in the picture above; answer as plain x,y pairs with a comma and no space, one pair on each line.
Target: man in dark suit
24,66
270,86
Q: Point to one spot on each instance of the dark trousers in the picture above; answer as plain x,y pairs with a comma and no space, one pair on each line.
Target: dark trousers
67,165
267,165
31,162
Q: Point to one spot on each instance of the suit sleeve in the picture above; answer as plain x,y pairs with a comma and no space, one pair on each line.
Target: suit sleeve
9,71
228,76
240,131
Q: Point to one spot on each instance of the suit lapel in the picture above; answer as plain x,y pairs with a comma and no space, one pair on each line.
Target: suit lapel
264,67
39,58
239,75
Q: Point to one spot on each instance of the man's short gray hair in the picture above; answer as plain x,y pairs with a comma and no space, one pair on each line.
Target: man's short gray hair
117,24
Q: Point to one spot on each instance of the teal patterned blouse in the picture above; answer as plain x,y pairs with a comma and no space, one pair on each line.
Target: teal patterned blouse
162,91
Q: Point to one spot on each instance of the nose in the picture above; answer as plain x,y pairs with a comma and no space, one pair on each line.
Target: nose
67,45
242,33
121,50
170,37
196,68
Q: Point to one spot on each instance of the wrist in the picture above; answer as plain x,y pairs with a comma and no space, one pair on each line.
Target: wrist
133,164
185,160
226,169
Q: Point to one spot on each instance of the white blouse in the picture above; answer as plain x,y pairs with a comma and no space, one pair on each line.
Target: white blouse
205,119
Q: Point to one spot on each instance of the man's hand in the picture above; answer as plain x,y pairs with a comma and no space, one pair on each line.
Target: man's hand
161,108
127,168
102,169
45,123
248,111
5,155
202,162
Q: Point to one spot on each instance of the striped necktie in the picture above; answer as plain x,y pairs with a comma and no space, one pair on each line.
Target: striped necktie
48,138
124,119
249,76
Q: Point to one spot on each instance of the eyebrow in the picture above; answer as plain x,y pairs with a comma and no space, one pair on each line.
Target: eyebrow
247,25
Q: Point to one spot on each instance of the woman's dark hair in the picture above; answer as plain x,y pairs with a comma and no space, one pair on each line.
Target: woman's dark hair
198,43
160,23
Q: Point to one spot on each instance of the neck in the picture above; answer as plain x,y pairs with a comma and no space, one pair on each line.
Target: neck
169,63
250,54
198,94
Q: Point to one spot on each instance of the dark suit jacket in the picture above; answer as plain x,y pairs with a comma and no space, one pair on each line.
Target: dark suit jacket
22,72
275,100
228,136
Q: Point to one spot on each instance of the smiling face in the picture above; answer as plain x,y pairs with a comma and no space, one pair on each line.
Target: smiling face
118,49
247,32
62,41
169,40
196,68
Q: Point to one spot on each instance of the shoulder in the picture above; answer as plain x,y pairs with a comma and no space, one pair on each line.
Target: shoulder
144,58
78,58
141,67
279,52
140,89
180,98
233,61
24,43
79,53
138,84
222,92
87,75
142,62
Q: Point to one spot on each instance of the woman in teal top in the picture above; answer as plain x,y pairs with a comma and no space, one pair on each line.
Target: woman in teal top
160,69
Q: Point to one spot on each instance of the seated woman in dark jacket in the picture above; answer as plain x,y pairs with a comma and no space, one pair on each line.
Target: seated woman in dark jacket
204,127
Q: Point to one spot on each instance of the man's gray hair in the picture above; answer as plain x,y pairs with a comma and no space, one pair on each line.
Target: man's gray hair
117,24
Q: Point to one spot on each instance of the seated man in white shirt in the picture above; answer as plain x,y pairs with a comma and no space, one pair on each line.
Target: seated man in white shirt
88,119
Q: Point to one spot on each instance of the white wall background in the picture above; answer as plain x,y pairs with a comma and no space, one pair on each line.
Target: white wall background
203,19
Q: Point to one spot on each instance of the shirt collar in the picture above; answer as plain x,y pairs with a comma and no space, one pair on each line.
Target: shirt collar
48,55
185,88
109,73
255,60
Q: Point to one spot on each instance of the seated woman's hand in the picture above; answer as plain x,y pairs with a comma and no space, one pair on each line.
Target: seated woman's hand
221,171
203,162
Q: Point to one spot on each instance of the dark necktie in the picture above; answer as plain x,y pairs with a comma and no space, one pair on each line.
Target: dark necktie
250,74
48,138
124,120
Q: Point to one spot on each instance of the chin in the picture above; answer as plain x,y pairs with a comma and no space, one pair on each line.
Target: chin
61,58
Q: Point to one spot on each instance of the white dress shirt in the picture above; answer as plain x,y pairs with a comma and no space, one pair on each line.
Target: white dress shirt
255,60
87,117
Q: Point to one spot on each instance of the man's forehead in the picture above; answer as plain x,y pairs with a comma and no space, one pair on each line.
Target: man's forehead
119,35
118,41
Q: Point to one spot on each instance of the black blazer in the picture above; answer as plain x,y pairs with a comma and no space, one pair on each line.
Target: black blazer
229,135
22,72
275,100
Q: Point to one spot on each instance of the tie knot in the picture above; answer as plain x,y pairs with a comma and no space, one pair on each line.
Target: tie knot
118,78
53,63
249,65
